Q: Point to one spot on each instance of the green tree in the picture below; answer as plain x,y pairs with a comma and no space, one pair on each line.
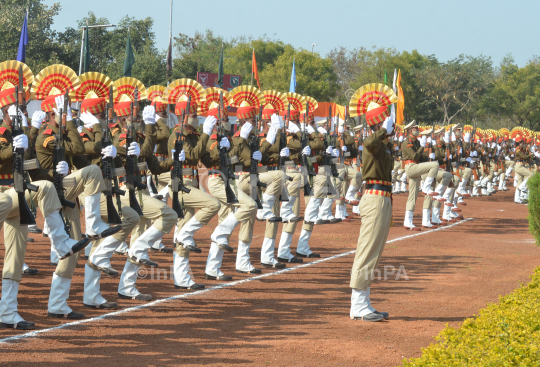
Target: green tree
516,94
315,76
455,85
42,49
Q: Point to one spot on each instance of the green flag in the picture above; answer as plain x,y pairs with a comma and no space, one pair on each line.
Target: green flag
86,66
220,71
130,58
385,77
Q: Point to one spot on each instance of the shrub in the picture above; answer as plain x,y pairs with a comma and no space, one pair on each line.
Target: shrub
504,334
534,206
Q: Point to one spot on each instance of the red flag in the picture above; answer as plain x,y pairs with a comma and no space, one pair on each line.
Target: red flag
254,70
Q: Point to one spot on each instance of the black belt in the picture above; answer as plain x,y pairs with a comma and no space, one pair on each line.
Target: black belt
6,182
378,187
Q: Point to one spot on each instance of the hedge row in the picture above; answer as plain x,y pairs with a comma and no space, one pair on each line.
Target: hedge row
534,207
504,334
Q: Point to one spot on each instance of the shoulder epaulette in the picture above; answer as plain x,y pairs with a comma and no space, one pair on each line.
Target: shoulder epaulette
237,134
123,136
113,124
196,133
261,135
48,132
141,135
2,130
3,140
213,145
113,131
409,145
263,139
213,136
82,134
289,139
46,141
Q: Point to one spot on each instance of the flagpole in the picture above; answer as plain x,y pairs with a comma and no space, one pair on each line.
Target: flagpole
251,84
170,41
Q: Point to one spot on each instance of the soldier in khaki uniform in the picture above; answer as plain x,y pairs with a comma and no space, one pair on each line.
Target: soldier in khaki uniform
194,147
412,156
14,233
246,208
92,114
88,180
523,157
352,178
376,202
163,218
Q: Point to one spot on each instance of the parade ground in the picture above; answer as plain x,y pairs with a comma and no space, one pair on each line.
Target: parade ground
298,316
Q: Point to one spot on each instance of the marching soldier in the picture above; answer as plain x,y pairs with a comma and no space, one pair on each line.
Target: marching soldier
376,202
523,157
412,156
153,210
87,180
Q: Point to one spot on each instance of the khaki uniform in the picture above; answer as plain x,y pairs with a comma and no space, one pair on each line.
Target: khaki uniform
412,154
194,148
375,210
522,159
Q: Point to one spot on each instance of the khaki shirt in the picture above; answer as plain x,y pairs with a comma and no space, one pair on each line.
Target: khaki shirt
45,143
377,157
163,135
194,145
411,150
6,147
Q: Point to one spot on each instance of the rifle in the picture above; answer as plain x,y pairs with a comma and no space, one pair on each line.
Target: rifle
132,170
342,140
305,161
328,142
107,166
432,140
19,165
282,145
59,155
177,174
224,159
254,170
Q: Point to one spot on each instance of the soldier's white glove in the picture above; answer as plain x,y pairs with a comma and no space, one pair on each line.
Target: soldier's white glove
397,148
428,141
493,146
276,121
450,156
310,129
432,156
453,136
245,130
340,129
79,129
110,151
20,141
272,133
344,148
89,120
257,156
62,168
351,134
322,130
537,154
361,148
224,143
335,153
388,125
467,137
13,111
423,141
401,139
181,156
134,149
507,158
469,160
447,137
293,129
284,152
60,104
208,125
149,115
37,119
330,150
460,150
306,151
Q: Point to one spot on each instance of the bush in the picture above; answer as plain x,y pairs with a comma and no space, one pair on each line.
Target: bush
504,334
534,206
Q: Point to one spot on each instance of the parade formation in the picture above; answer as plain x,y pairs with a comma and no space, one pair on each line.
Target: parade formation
132,158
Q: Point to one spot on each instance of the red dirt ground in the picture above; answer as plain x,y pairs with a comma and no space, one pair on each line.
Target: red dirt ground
295,318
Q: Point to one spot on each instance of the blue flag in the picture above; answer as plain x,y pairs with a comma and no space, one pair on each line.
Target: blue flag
21,54
292,88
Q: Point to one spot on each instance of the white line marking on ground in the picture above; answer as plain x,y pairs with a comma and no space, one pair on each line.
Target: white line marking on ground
221,286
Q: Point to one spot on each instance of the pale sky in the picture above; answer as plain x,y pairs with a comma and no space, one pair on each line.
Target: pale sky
442,28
